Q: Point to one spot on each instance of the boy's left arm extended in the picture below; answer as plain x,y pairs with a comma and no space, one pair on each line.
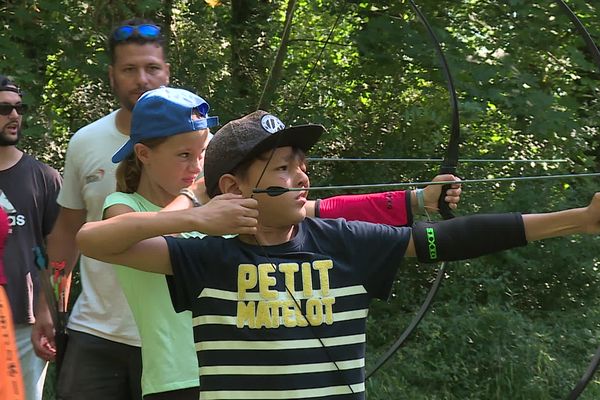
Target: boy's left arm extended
477,235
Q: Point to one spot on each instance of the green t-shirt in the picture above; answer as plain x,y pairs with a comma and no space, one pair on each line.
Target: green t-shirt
168,351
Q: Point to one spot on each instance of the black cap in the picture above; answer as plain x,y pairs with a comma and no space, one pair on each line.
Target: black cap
243,139
7,85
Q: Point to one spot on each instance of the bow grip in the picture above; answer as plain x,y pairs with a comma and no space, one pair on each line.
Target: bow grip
444,208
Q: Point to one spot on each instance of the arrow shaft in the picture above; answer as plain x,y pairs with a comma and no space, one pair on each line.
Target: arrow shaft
462,160
419,184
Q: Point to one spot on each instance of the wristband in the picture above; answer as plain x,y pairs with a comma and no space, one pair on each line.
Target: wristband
190,195
468,237
420,200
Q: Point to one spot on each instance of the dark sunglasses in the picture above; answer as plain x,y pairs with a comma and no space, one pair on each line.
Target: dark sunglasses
6,109
146,31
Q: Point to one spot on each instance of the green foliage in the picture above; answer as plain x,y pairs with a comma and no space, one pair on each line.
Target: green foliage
520,325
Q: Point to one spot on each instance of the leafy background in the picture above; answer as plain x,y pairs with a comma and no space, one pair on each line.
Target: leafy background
518,325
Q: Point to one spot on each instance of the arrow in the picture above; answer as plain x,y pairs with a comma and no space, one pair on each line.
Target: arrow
277,190
467,160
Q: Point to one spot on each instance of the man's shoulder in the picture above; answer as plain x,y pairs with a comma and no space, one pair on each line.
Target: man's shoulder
103,126
41,166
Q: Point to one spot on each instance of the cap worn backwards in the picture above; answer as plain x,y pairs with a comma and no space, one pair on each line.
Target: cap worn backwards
7,85
165,112
247,137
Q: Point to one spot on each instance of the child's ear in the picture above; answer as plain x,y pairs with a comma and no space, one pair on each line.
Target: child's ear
229,184
142,152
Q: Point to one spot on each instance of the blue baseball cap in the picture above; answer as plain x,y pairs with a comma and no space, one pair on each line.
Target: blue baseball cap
165,112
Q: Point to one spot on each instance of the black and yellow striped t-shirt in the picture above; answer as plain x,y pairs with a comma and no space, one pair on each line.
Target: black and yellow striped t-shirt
285,321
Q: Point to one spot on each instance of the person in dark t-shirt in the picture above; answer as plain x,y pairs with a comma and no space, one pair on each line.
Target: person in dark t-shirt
280,309
28,191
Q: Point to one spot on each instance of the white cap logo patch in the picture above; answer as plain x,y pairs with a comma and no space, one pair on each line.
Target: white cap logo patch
271,123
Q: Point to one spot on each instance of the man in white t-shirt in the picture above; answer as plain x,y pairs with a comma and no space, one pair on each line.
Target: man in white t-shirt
103,358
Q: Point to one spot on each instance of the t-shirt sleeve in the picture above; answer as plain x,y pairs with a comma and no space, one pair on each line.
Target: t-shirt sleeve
186,282
70,195
53,183
377,251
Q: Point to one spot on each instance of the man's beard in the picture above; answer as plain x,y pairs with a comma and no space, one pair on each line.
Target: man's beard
124,99
9,140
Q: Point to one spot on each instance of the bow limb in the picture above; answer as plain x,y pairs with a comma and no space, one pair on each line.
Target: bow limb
583,32
450,161
275,71
449,165
595,53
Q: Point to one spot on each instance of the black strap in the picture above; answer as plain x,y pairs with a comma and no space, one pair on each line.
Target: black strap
14,89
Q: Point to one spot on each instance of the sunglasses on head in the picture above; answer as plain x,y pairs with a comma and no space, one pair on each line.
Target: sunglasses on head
6,109
146,31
